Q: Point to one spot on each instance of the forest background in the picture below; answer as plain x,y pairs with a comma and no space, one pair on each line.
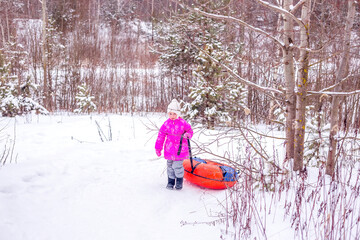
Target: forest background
281,62
292,64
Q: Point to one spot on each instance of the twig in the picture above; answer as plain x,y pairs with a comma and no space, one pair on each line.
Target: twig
100,131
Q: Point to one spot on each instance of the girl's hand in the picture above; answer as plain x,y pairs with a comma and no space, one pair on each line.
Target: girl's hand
187,135
158,153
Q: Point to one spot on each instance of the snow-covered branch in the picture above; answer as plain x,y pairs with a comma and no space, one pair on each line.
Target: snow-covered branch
334,85
326,91
297,6
282,11
338,94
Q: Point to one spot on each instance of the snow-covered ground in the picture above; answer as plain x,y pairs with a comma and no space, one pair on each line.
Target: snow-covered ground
65,183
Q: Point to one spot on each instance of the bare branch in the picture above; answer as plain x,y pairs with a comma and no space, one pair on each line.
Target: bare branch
336,84
232,19
297,6
338,94
233,74
239,21
327,92
282,11
290,14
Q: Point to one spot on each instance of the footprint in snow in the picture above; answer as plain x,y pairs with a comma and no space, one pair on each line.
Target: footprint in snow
33,177
8,189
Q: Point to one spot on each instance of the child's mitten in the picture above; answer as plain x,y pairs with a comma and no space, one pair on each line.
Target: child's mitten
158,152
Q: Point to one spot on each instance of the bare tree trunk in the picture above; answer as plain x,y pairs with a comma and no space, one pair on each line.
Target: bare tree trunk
7,23
3,35
288,53
342,70
302,82
44,54
152,21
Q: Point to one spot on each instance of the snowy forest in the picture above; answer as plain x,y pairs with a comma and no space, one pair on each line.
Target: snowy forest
290,65
286,63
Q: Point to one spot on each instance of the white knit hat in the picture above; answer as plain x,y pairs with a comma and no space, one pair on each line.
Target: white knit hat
174,107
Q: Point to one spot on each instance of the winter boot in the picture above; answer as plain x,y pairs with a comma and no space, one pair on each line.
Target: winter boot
179,183
171,183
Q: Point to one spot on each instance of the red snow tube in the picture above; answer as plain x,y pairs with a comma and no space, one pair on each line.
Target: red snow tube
209,174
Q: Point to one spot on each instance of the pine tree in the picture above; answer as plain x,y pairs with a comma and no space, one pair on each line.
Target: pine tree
84,100
207,94
215,97
178,55
179,38
317,140
189,46
15,99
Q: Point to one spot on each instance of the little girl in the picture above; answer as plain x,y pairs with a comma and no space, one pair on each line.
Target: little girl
172,130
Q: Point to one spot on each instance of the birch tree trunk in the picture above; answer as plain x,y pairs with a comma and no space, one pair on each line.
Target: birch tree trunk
288,53
44,54
341,73
3,35
302,82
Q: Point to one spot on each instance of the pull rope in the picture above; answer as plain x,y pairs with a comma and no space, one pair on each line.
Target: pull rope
179,151
191,159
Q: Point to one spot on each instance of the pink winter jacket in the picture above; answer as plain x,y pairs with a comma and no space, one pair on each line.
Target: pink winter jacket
172,130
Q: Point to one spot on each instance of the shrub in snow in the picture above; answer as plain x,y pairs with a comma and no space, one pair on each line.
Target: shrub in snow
84,100
317,138
317,135
15,99
13,103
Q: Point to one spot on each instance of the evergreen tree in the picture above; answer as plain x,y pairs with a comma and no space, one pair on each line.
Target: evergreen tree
317,139
84,100
215,97
179,38
207,94
188,48
15,98
177,54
